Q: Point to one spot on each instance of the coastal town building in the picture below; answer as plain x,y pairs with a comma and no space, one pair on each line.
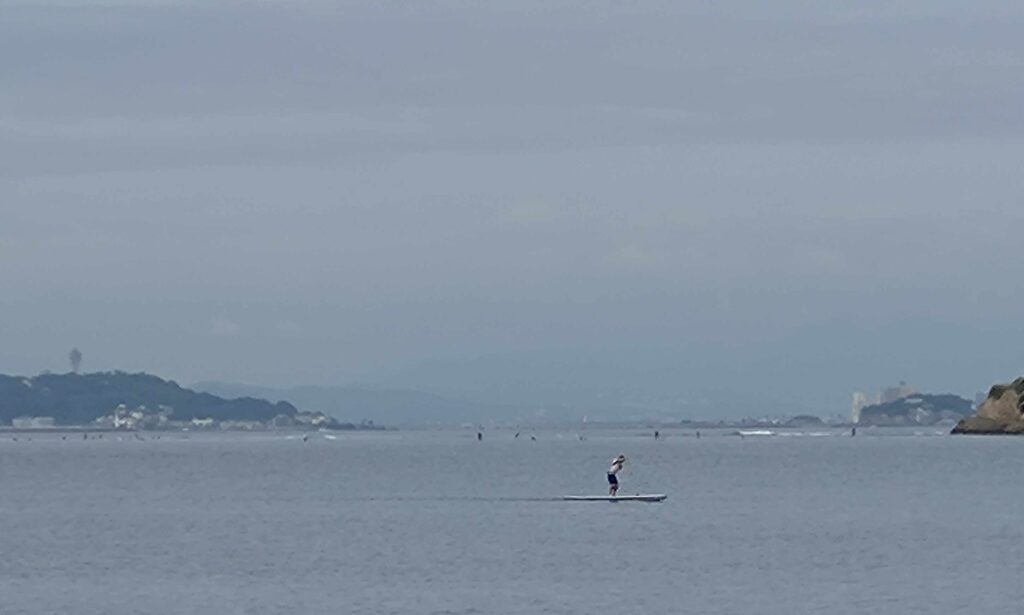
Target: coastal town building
33,422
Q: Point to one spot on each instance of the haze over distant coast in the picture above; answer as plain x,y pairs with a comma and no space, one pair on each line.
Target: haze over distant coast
142,400
395,405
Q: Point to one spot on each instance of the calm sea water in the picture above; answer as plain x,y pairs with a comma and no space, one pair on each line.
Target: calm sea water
436,522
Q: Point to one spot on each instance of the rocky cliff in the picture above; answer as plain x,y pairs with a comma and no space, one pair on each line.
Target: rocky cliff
1002,412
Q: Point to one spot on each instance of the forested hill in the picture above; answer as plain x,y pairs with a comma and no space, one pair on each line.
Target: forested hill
75,399
916,409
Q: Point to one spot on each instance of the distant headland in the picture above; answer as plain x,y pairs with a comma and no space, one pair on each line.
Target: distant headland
916,409
119,400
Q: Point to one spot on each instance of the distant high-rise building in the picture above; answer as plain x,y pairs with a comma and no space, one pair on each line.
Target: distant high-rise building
897,392
859,401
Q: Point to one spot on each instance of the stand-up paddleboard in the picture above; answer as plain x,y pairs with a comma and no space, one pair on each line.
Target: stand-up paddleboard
651,497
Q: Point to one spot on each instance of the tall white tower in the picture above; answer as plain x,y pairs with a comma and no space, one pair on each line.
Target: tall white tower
859,401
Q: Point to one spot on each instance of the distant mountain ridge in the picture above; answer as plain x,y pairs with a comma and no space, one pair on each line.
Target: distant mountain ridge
78,399
410,406
364,403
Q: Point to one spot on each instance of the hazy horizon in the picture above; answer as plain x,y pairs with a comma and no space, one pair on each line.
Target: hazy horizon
788,202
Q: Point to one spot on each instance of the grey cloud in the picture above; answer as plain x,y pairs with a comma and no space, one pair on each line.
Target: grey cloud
222,84
655,195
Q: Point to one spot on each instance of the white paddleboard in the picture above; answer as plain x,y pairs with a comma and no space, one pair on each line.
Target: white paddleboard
652,497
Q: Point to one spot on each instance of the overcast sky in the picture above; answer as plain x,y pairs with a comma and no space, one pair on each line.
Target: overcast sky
794,199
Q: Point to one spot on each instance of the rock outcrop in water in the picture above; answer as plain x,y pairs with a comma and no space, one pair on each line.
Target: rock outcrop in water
1002,412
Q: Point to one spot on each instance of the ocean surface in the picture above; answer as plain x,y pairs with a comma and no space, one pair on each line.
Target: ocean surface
890,521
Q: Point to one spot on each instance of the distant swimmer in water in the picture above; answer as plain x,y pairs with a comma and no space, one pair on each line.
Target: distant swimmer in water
479,436
656,434
613,480
533,438
516,437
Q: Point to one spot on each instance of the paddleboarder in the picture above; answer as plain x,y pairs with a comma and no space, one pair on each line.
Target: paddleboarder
613,481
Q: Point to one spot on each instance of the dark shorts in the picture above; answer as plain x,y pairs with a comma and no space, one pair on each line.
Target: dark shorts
612,480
